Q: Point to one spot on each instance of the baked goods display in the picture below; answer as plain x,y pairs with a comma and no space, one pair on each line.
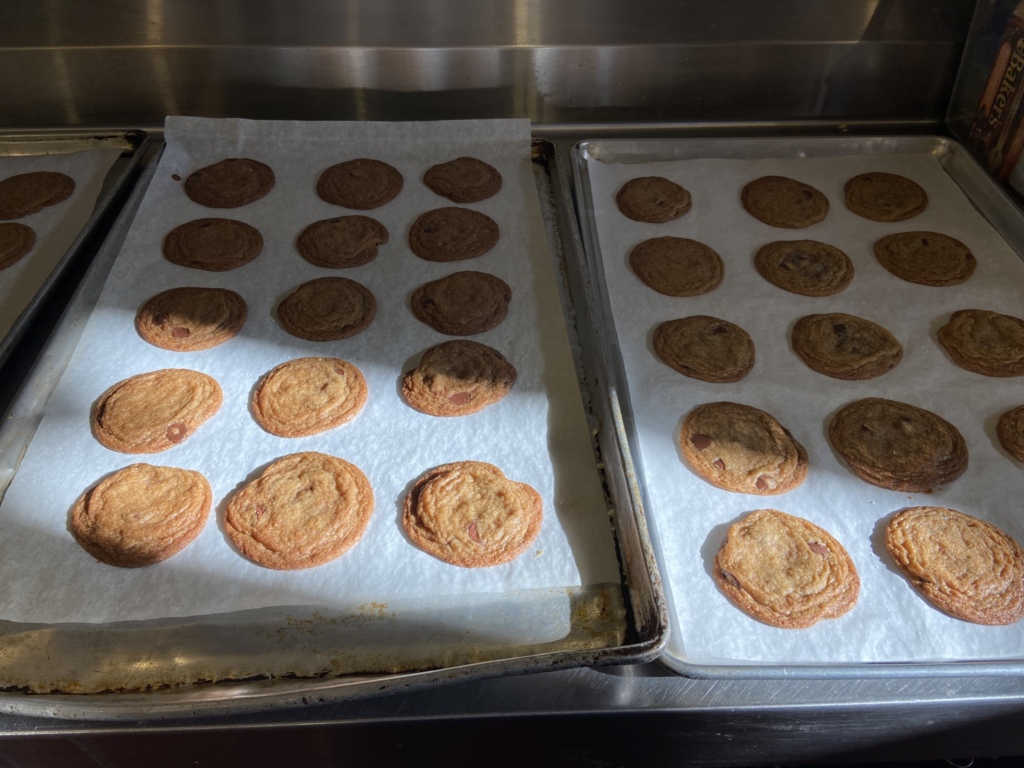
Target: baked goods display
677,266
214,245
452,234
230,183
190,319
927,258
705,348
881,196
458,378
361,184
804,267
327,309
845,346
341,242
463,180
309,395
780,201
463,303
652,199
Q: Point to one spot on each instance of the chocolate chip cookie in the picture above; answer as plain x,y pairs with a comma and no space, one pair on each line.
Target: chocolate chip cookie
804,267
926,258
215,245
985,342
360,184
327,309
28,193
677,266
463,180
343,242
458,378
190,319
462,304
452,234
652,199
783,202
15,241
230,183
308,396
705,348
884,196
1010,431
845,346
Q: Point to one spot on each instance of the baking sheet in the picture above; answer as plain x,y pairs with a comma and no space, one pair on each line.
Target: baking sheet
537,435
890,622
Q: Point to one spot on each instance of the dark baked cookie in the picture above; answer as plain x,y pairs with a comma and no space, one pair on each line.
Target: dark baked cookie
845,346
15,241
742,449
27,193
985,342
347,241
154,411
785,571
962,565
462,304
141,515
327,309
304,510
804,267
927,258
308,396
783,202
705,348
230,183
469,514
1010,431
676,266
452,234
190,319
458,378
463,180
652,199
215,245
884,197
360,184
898,446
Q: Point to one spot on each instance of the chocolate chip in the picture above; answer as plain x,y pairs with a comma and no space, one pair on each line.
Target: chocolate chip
808,194
180,333
819,548
700,442
761,484
176,432
160,318
719,329
719,464
460,398
839,328
176,177
474,534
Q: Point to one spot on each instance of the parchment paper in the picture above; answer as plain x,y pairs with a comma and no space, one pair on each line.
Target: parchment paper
890,622
536,435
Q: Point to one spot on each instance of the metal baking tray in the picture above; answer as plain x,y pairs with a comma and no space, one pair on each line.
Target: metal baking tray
291,656
983,194
131,143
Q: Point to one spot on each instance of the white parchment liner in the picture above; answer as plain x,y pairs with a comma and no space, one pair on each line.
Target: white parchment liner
890,622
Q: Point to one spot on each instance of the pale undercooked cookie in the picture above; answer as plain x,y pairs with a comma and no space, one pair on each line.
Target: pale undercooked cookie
742,449
783,202
15,241
845,346
885,196
469,514
985,342
705,348
215,245
898,446
360,184
926,258
154,411
305,510
962,565
804,267
1010,431
230,183
785,571
462,304
308,396
652,199
458,378
141,515
327,309
463,180
28,193
190,319
677,266
452,234
346,241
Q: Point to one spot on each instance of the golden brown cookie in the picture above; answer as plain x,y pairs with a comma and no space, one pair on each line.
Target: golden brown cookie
452,234
305,510
28,193
141,515
15,241
215,245
308,396
347,241
742,449
154,411
985,342
898,446
190,319
469,514
783,202
1010,431
230,183
884,196
652,199
462,304
962,565
676,266
926,258
463,180
360,184
845,346
804,267
327,309
458,378
785,571
705,348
